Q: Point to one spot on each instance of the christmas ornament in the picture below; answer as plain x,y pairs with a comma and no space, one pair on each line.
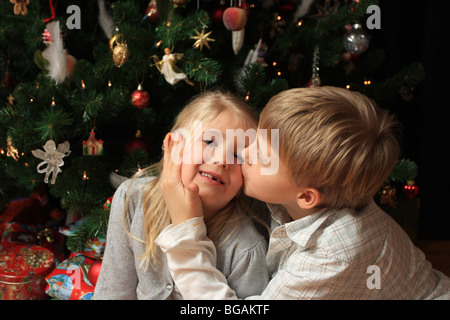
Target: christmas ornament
411,189
217,14
119,49
53,158
388,195
92,146
237,40
47,38
60,63
10,99
11,151
286,6
8,80
140,98
234,18
105,20
107,204
168,69
315,78
202,39
180,3
94,271
20,6
151,12
277,25
357,40
136,143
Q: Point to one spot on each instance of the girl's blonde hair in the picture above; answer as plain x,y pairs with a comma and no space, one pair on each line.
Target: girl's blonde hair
334,140
205,108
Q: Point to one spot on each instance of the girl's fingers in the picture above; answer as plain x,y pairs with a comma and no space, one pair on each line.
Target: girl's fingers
173,155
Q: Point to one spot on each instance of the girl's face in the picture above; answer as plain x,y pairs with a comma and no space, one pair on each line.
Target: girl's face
219,180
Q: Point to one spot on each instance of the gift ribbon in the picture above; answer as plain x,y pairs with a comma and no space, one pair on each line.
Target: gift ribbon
52,10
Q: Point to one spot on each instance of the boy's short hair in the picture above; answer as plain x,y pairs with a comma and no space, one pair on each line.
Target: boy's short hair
334,140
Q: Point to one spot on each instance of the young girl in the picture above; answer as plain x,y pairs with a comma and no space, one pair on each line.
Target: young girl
134,267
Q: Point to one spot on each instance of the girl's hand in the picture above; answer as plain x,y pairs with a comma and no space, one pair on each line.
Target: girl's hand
183,202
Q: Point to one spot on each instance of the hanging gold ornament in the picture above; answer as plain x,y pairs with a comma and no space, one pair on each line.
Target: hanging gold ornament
119,49
182,3
20,6
11,151
202,39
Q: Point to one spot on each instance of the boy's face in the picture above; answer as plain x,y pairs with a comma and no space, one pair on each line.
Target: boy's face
277,188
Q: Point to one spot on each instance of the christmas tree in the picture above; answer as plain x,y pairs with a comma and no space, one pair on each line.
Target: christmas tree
86,98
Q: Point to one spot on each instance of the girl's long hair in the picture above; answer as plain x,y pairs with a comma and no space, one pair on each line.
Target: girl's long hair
205,107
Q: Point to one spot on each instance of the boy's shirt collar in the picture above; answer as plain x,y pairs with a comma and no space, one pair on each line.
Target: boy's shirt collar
301,230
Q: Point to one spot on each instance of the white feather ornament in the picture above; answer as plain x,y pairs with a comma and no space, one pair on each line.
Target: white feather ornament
105,19
55,54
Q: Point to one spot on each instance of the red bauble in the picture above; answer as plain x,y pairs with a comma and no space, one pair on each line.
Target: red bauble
411,189
94,272
140,98
8,80
286,6
234,18
217,15
136,143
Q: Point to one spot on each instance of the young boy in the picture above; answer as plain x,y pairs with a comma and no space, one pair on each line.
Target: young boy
329,240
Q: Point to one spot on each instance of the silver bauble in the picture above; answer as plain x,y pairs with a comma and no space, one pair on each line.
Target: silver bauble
356,41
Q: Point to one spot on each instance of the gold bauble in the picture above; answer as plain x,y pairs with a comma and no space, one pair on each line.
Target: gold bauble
119,49
120,54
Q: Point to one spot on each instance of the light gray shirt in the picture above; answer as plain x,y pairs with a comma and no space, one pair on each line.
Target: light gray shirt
241,257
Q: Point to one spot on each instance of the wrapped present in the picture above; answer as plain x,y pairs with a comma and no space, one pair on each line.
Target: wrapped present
69,280
23,269
13,233
94,248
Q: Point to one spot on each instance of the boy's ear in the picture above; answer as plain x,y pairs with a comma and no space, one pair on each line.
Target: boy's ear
309,198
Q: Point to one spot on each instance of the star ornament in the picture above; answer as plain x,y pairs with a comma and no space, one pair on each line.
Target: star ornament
202,39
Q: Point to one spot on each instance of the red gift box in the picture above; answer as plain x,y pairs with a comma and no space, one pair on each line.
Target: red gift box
23,269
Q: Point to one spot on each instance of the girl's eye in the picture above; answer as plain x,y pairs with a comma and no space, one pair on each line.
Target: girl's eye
208,141
240,160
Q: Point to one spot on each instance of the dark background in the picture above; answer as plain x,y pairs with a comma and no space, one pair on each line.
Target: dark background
419,32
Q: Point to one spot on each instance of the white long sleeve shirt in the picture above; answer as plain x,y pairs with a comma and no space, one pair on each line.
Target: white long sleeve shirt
328,255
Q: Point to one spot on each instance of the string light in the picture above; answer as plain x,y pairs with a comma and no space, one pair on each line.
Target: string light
299,24
347,87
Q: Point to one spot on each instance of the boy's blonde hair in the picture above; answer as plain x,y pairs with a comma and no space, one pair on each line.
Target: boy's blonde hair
205,107
334,140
